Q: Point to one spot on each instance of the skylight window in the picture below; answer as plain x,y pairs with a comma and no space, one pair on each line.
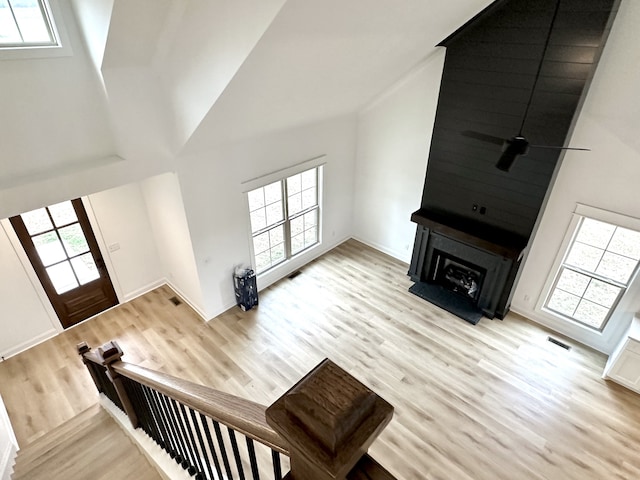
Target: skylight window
26,23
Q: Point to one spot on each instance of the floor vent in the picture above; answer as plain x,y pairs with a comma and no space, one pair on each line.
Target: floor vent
294,274
559,343
175,300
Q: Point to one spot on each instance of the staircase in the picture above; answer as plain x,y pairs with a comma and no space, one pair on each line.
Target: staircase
90,445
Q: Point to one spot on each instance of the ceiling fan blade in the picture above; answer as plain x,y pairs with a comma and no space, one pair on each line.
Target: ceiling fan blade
561,148
506,159
483,137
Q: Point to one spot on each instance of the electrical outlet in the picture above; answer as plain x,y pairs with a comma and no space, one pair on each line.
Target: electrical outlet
527,298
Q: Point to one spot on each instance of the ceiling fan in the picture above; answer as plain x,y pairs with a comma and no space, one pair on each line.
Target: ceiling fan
518,145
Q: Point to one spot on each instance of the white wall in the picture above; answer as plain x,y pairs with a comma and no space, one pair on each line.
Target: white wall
216,207
118,216
394,134
93,19
24,320
127,240
53,113
607,177
202,49
8,444
393,141
165,207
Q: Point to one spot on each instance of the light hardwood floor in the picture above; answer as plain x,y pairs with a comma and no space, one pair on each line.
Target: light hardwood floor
491,401
76,451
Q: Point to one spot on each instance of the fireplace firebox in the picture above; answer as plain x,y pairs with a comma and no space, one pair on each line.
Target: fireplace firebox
464,272
457,276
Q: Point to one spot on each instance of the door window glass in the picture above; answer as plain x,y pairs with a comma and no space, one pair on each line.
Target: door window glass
61,246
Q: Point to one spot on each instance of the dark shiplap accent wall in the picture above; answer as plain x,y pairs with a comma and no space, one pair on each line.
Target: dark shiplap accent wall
489,72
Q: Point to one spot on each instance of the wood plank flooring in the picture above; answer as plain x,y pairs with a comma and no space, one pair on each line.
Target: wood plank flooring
90,445
491,401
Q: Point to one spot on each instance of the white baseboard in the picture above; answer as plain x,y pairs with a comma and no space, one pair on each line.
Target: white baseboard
184,297
284,270
7,460
276,274
404,257
229,306
8,443
161,461
127,298
21,347
143,290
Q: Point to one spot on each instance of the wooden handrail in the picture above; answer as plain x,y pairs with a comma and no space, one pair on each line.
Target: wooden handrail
324,424
244,416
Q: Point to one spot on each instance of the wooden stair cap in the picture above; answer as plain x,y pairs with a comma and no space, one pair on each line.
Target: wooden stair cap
329,419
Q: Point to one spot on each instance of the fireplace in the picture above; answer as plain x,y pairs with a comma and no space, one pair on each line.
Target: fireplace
457,276
468,274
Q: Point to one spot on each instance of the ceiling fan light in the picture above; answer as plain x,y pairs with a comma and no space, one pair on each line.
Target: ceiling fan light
506,160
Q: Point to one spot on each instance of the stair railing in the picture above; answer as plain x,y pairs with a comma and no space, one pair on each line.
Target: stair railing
320,429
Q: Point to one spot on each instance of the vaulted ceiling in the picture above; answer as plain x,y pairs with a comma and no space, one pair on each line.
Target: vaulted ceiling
224,70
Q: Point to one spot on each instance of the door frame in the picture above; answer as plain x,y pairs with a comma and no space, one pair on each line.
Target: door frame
33,276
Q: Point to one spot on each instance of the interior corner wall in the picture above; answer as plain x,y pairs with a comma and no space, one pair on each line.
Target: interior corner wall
216,207
24,320
165,207
122,226
8,444
394,134
54,113
126,240
605,178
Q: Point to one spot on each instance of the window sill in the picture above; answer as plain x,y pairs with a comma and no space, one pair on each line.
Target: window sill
33,53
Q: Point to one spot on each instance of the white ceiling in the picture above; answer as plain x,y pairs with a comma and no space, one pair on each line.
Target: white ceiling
316,59
320,59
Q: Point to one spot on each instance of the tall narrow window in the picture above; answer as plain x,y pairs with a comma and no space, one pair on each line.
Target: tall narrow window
596,271
284,218
26,23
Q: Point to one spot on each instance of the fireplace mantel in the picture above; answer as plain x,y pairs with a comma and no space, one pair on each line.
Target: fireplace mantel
495,240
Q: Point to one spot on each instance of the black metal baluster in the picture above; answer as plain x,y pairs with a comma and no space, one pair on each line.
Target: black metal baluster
252,459
106,386
236,452
192,443
164,419
180,457
162,439
277,468
223,450
212,447
140,407
203,447
98,375
189,460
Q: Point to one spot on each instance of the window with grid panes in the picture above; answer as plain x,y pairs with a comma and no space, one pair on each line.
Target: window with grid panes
284,218
599,264
26,23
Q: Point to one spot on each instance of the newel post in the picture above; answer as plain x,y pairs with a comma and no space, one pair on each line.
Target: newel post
107,355
329,420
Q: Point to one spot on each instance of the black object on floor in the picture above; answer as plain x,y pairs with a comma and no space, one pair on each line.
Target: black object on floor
446,299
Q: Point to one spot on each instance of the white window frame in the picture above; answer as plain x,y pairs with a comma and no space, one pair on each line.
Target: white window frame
60,47
281,176
581,212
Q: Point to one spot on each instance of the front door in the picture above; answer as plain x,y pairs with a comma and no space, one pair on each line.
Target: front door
64,253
